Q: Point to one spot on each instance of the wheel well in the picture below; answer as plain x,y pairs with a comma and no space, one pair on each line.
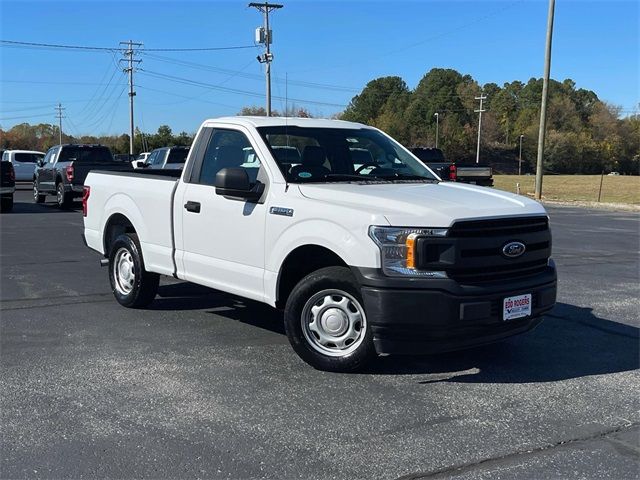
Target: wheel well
300,263
116,225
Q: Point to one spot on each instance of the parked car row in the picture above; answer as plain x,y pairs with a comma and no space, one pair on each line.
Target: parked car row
62,169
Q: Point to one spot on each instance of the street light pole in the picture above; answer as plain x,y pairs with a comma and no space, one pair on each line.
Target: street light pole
437,115
479,112
520,157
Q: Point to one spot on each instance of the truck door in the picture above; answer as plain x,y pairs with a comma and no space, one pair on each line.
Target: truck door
46,174
222,239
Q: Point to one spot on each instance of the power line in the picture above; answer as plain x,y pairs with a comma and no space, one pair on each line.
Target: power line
13,43
186,98
196,83
26,116
251,76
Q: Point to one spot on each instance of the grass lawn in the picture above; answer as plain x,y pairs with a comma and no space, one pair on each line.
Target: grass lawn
584,188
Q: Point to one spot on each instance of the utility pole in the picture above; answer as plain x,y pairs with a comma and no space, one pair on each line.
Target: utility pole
128,54
520,157
59,116
437,115
263,35
543,107
480,110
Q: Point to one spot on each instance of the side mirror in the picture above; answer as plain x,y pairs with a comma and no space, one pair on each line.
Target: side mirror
234,183
40,162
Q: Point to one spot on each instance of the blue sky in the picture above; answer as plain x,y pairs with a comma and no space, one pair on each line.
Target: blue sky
340,45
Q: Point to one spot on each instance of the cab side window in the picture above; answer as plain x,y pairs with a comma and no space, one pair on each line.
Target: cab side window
54,154
159,157
228,149
48,157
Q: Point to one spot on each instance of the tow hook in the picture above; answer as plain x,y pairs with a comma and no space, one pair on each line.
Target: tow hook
104,262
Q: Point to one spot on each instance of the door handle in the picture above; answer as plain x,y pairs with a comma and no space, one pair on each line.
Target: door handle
192,207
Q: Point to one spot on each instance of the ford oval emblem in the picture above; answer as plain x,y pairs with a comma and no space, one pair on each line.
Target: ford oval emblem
513,249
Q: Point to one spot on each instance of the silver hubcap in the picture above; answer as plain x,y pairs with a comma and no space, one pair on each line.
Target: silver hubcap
60,194
333,323
123,271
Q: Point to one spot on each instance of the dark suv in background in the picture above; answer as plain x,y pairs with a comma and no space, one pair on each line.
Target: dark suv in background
64,168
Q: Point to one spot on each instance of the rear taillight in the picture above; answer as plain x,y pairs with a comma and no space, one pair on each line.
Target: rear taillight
86,191
12,173
69,172
453,173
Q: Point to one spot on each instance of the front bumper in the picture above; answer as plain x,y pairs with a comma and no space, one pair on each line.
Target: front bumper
415,316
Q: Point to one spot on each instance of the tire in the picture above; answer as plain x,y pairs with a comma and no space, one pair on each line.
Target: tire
63,199
131,284
326,322
37,196
6,204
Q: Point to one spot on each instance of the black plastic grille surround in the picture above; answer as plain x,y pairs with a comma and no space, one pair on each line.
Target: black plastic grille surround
472,252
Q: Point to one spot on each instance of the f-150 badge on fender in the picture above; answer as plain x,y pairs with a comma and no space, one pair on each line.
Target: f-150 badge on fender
287,212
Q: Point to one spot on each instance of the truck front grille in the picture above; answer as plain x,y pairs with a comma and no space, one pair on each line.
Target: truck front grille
472,252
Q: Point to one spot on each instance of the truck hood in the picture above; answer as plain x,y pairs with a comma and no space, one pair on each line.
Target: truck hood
423,204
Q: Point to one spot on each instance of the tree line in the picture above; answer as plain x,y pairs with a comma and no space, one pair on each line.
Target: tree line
43,136
584,134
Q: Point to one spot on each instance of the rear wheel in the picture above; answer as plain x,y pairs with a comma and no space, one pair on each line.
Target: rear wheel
131,284
6,204
63,199
37,196
326,322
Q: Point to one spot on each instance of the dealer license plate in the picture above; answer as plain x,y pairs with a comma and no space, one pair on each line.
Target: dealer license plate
516,307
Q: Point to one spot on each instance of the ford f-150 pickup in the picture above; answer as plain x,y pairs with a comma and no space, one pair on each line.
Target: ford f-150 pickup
361,244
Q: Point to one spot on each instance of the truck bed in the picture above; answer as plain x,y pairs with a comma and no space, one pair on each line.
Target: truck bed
148,197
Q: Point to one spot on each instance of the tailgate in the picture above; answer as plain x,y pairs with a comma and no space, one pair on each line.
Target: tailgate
469,171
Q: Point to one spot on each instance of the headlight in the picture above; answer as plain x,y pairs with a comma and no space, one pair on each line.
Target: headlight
397,248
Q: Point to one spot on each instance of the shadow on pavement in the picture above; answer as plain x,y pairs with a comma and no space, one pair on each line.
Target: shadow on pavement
571,342
49,207
189,296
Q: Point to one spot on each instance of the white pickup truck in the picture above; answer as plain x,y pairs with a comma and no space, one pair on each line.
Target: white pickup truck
361,245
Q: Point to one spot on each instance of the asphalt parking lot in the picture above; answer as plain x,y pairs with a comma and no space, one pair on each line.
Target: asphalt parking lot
205,385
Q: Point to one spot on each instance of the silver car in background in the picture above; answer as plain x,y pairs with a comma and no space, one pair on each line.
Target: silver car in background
24,163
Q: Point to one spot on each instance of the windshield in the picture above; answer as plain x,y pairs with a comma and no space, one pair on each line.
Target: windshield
340,154
178,155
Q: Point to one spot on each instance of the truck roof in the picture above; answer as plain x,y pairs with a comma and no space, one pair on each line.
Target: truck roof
290,121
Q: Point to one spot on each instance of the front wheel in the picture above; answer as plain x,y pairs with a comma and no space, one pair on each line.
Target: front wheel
326,322
37,196
131,284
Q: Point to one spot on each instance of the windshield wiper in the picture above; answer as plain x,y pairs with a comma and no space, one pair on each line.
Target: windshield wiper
404,176
347,176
